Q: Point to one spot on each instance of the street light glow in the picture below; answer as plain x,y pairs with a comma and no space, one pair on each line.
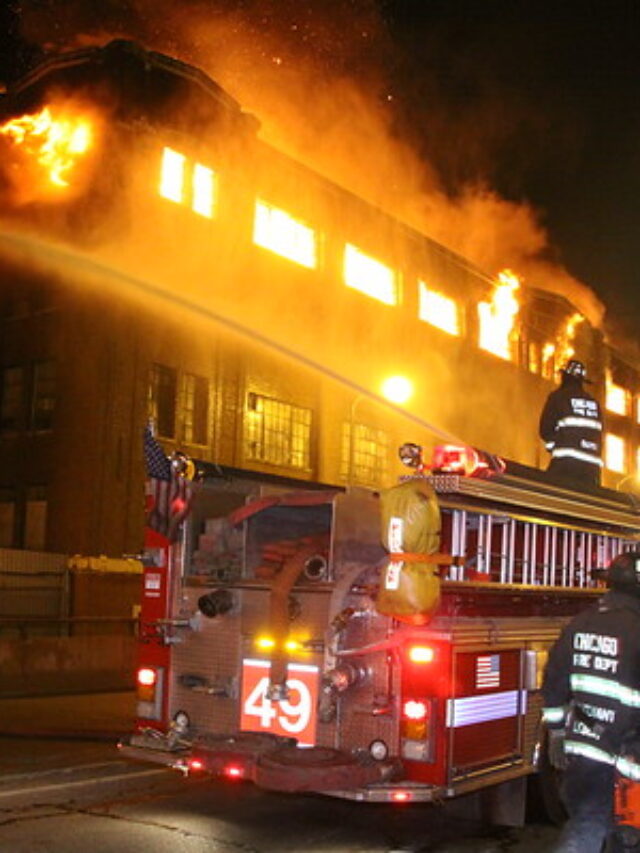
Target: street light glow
397,389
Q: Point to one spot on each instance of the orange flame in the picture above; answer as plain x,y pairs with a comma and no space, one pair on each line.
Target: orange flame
554,355
565,349
498,317
55,142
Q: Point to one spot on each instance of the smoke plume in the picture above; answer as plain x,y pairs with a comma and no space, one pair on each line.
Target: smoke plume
316,74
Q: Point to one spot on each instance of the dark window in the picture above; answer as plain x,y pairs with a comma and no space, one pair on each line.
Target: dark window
13,397
195,412
162,399
35,518
43,398
7,518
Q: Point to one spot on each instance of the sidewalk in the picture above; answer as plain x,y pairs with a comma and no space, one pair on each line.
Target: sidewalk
87,715
47,732
63,749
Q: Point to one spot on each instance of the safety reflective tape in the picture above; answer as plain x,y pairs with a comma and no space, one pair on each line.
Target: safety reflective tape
560,452
469,710
576,747
605,687
628,768
588,423
553,715
550,445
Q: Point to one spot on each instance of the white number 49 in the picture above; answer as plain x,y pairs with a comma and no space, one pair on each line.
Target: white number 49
293,716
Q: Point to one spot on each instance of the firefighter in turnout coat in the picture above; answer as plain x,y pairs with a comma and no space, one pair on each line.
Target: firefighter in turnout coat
571,428
591,693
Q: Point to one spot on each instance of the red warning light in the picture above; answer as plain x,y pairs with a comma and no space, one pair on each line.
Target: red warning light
460,459
420,654
195,764
233,771
401,796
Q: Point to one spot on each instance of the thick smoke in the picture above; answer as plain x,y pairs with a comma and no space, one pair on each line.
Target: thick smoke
317,75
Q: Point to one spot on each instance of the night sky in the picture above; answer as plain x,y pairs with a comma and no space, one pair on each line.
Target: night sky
543,102
540,101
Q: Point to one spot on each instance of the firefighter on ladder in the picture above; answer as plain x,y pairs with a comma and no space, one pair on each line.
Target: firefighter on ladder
591,691
571,428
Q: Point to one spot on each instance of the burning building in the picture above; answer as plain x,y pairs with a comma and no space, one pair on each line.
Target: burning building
158,259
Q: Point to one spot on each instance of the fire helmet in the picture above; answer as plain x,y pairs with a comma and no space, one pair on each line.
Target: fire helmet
624,572
575,368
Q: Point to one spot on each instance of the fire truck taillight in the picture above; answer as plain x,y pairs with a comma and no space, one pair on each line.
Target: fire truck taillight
149,689
401,796
194,765
420,654
417,729
414,710
147,679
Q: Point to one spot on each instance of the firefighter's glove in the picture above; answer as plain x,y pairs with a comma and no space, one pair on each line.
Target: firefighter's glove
555,747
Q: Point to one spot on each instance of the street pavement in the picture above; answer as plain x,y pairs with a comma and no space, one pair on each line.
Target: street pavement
62,781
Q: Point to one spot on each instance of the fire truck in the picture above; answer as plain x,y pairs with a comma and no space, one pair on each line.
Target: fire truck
371,646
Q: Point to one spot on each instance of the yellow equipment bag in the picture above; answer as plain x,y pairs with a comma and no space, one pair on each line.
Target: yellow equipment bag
409,585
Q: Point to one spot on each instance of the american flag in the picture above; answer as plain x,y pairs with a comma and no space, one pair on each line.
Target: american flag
168,495
487,671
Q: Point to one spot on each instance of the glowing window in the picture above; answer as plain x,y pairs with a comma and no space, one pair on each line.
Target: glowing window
277,432
203,190
533,356
172,175
498,318
365,459
617,399
438,310
548,361
614,453
369,276
279,232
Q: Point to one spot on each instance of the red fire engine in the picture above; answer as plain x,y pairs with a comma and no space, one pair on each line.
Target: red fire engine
377,647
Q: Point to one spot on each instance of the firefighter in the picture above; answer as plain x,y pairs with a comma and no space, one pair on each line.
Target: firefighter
571,428
591,692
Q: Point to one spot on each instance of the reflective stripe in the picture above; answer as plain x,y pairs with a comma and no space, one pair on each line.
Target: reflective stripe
560,452
553,715
605,687
572,421
628,768
470,710
550,445
576,747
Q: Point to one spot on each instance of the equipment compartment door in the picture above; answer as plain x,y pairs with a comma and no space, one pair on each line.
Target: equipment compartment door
486,714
